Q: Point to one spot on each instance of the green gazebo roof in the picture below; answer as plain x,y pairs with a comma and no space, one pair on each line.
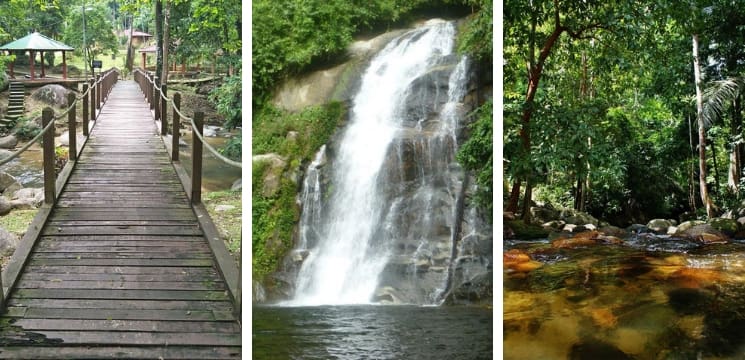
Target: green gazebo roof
36,41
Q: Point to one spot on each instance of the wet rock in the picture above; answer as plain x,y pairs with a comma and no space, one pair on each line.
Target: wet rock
614,231
727,226
8,184
695,278
595,349
689,301
516,260
703,233
603,318
4,154
8,242
686,225
584,239
477,290
577,217
554,225
638,229
386,295
659,226
237,185
544,214
8,142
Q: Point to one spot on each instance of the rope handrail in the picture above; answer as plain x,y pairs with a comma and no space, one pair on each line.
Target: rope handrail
28,145
46,128
209,147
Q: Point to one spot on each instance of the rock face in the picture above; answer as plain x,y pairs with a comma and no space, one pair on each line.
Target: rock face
273,173
55,95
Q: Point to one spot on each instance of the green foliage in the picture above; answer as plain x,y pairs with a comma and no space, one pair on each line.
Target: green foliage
228,222
26,129
227,100
526,231
232,148
99,35
476,38
476,154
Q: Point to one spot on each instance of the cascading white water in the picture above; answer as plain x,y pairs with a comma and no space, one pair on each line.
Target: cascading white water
354,239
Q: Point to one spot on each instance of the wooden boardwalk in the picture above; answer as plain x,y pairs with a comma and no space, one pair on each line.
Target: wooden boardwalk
121,268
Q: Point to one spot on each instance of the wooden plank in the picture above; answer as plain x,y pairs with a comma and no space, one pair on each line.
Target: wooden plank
122,262
57,283
123,255
124,270
126,325
112,246
125,237
118,352
97,223
121,230
22,303
122,294
108,204
122,314
143,338
171,278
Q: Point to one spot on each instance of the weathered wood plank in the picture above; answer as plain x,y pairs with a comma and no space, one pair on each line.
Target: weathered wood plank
122,262
98,352
126,314
125,270
143,338
121,230
171,278
149,325
112,246
124,237
87,223
122,294
56,283
123,255
24,303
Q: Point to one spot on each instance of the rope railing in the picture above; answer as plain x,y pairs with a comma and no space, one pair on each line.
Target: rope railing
104,83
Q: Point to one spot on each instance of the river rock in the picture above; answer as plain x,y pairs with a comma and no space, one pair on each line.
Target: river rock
4,154
8,242
703,233
8,184
224,207
686,225
272,175
52,95
516,260
8,142
237,185
611,230
387,295
478,290
5,206
27,198
659,226
727,226
545,214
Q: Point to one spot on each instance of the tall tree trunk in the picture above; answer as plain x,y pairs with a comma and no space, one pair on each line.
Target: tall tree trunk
527,200
705,199
166,18
716,167
130,51
159,38
514,197
735,156
692,172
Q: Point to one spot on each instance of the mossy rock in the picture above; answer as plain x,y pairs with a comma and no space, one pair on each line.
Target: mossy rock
727,226
525,231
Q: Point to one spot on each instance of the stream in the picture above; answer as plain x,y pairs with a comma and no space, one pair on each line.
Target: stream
651,297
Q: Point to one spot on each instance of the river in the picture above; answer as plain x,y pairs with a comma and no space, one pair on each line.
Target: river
372,332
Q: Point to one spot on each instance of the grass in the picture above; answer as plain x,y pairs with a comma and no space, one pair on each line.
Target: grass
228,222
18,221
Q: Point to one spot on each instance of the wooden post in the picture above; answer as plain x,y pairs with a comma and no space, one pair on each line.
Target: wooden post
196,159
176,126
98,91
64,66
93,100
152,92
156,100
47,116
85,110
31,63
43,73
73,146
163,110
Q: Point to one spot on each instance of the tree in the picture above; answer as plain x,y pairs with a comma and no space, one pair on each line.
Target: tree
99,32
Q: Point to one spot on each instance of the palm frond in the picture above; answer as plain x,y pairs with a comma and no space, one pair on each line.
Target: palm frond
718,94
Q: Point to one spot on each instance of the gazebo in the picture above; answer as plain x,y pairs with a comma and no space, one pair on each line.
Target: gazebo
37,42
152,49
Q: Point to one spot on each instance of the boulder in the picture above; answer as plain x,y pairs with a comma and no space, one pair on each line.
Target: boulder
223,207
237,185
52,95
8,242
5,154
727,226
614,231
659,226
8,184
273,173
8,142
5,206
27,198
684,226
703,233
516,260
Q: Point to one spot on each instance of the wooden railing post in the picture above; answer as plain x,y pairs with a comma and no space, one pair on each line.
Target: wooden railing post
73,146
93,100
98,91
152,92
47,116
163,110
196,159
156,101
176,126
85,110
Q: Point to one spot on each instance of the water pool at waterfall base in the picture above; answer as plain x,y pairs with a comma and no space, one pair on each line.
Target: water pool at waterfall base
372,332
655,298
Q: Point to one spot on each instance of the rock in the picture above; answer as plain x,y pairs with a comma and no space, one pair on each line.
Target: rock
555,225
8,242
516,260
386,295
4,154
596,349
728,226
8,184
695,278
237,185
8,142
577,217
5,206
223,207
210,130
659,226
52,95
637,229
686,225
476,290
703,233
4,81
272,174
27,198
292,135
613,231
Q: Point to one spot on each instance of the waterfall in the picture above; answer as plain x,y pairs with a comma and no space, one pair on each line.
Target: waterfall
382,229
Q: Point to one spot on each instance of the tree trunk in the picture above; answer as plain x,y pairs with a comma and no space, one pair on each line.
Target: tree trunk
166,18
130,51
159,38
527,200
735,156
514,197
705,199
692,172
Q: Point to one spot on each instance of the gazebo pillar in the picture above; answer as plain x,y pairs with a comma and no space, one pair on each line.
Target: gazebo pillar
42,63
31,62
144,56
10,67
64,66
